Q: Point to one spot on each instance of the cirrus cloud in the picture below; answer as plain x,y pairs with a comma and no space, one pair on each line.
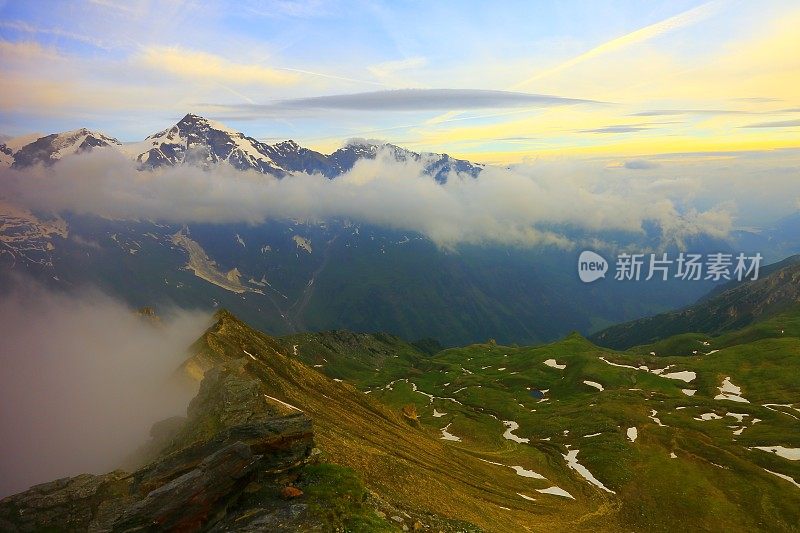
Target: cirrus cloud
199,65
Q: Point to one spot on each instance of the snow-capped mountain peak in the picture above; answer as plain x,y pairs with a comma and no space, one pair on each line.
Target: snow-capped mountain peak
199,141
51,148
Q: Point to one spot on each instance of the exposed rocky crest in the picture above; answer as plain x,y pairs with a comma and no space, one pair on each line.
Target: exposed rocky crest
196,470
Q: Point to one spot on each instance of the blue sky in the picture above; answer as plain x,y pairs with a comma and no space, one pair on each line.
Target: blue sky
651,77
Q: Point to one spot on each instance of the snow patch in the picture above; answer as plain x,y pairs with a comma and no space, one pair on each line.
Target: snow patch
784,476
593,384
792,454
446,435
290,406
708,416
556,491
302,242
572,462
729,391
554,364
509,433
654,418
685,375
526,473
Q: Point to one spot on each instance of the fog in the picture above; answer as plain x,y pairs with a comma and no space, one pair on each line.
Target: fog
518,205
83,379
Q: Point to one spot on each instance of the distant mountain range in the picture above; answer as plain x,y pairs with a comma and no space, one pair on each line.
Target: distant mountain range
197,140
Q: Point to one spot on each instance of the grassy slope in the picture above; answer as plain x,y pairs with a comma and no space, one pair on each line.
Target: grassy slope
405,465
728,308
715,483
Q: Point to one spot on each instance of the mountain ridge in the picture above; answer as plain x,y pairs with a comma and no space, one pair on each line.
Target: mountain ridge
728,307
200,141
564,436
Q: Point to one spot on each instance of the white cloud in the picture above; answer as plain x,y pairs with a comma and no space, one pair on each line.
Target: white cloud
516,206
83,380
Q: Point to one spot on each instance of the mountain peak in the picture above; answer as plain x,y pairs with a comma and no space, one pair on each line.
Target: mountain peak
192,122
51,148
201,141
192,119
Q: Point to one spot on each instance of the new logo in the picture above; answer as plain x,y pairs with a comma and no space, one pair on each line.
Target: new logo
591,266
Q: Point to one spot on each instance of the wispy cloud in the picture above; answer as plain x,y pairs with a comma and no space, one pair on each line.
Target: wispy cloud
620,128
388,70
329,76
674,112
758,99
23,52
775,124
198,65
641,35
286,8
24,27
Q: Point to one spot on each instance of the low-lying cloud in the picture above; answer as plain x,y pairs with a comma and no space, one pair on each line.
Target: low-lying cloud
83,380
518,205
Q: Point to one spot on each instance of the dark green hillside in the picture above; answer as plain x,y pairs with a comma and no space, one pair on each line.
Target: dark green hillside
728,308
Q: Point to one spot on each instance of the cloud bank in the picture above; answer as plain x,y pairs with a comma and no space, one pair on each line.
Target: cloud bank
519,205
83,380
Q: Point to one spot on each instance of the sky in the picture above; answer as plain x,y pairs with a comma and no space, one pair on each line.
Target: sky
492,82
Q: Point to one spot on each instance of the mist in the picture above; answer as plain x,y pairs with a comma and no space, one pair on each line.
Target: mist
84,378
517,205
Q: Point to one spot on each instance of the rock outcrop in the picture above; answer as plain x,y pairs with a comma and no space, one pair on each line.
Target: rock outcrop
233,442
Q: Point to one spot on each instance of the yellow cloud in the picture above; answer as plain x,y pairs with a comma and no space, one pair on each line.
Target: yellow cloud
24,52
203,66
641,78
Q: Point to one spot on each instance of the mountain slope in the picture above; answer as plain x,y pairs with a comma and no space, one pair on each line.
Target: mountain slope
408,466
437,165
297,276
197,140
51,148
239,461
730,307
564,437
668,443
